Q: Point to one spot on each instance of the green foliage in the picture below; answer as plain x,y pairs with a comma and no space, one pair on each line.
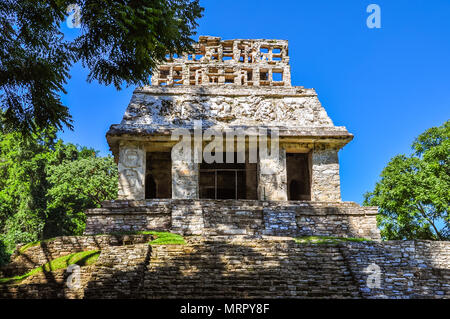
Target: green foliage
83,258
119,42
45,185
327,240
4,254
413,194
75,186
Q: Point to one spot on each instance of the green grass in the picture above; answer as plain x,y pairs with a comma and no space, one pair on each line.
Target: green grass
165,238
327,240
162,238
83,258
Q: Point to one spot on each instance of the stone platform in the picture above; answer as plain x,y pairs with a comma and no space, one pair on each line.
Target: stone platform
235,217
239,267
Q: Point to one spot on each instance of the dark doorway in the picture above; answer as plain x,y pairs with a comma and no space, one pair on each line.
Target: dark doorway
227,180
158,181
150,187
298,176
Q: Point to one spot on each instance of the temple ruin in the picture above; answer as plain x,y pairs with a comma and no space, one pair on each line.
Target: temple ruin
230,86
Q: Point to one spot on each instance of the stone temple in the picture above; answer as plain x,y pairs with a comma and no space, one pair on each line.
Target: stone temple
245,211
230,86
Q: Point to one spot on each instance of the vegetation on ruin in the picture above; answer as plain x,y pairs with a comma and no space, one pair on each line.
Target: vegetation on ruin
119,42
45,187
165,238
413,193
84,258
161,238
327,240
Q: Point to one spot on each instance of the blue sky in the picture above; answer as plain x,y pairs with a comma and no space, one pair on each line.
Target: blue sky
385,85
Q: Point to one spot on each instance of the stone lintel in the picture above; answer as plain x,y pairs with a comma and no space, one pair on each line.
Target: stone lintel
293,140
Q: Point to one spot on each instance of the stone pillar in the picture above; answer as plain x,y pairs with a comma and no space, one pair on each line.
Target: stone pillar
185,179
272,186
325,181
131,169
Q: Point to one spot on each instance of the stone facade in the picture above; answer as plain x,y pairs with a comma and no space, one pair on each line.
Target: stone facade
273,186
230,86
241,91
240,217
42,253
235,267
241,62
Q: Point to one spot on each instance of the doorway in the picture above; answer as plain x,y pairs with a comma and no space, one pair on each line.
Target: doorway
227,180
298,176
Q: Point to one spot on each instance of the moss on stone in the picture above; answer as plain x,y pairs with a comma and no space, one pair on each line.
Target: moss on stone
327,240
83,258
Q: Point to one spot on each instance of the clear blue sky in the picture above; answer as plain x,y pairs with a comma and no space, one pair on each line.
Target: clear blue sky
385,85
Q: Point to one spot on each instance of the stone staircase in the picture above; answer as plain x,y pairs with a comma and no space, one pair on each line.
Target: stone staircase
218,268
243,267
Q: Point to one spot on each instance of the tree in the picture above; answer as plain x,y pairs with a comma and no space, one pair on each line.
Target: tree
45,186
76,186
413,194
120,42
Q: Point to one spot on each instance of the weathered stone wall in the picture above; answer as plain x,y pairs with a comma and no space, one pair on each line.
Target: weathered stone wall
235,62
272,181
325,181
128,216
178,107
235,267
228,217
408,269
50,285
43,252
185,179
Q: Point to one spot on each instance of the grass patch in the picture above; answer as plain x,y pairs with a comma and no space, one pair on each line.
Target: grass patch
83,258
164,238
327,240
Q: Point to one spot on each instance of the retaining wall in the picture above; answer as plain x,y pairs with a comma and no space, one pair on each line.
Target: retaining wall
236,217
235,267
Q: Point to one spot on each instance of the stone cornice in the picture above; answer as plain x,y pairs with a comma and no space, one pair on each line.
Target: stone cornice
226,90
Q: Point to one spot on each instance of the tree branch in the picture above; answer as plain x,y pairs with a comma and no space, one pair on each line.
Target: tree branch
424,214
